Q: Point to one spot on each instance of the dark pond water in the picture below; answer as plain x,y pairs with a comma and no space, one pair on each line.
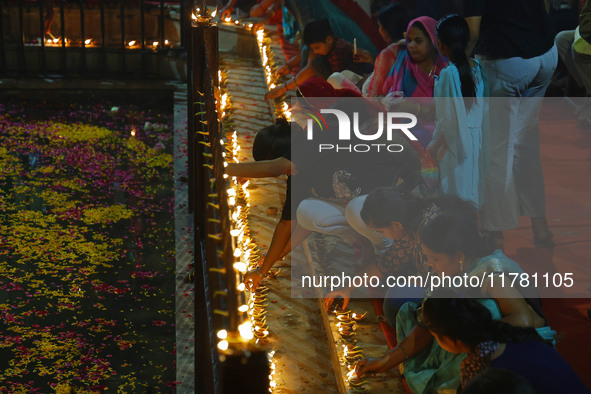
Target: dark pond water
86,245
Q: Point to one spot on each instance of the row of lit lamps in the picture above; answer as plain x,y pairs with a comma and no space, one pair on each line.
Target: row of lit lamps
267,62
267,59
57,41
245,254
254,328
352,352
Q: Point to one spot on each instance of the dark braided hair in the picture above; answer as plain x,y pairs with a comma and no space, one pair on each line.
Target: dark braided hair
467,320
453,31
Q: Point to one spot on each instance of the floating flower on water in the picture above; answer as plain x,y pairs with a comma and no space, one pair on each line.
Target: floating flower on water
70,229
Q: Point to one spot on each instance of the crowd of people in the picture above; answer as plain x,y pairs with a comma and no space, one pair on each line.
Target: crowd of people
443,202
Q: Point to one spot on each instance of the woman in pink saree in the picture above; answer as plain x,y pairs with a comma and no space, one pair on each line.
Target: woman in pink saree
413,74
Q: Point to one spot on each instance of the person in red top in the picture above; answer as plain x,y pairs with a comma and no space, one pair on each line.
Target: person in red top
327,54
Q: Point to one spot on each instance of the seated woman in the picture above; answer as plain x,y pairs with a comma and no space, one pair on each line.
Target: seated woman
463,325
392,22
272,149
390,218
413,74
454,245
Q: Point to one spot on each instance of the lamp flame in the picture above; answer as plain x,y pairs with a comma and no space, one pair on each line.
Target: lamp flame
223,345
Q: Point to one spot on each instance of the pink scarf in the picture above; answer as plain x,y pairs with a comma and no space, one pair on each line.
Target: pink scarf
424,82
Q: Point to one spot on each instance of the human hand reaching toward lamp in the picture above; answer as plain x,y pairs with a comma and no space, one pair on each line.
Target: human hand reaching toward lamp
226,12
253,278
331,297
282,71
371,365
276,92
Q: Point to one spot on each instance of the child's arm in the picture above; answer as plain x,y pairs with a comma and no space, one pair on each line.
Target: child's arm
304,74
290,64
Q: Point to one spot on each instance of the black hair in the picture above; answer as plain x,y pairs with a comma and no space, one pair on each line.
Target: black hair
394,19
499,380
453,31
385,205
317,30
468,321
272,141
456,229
